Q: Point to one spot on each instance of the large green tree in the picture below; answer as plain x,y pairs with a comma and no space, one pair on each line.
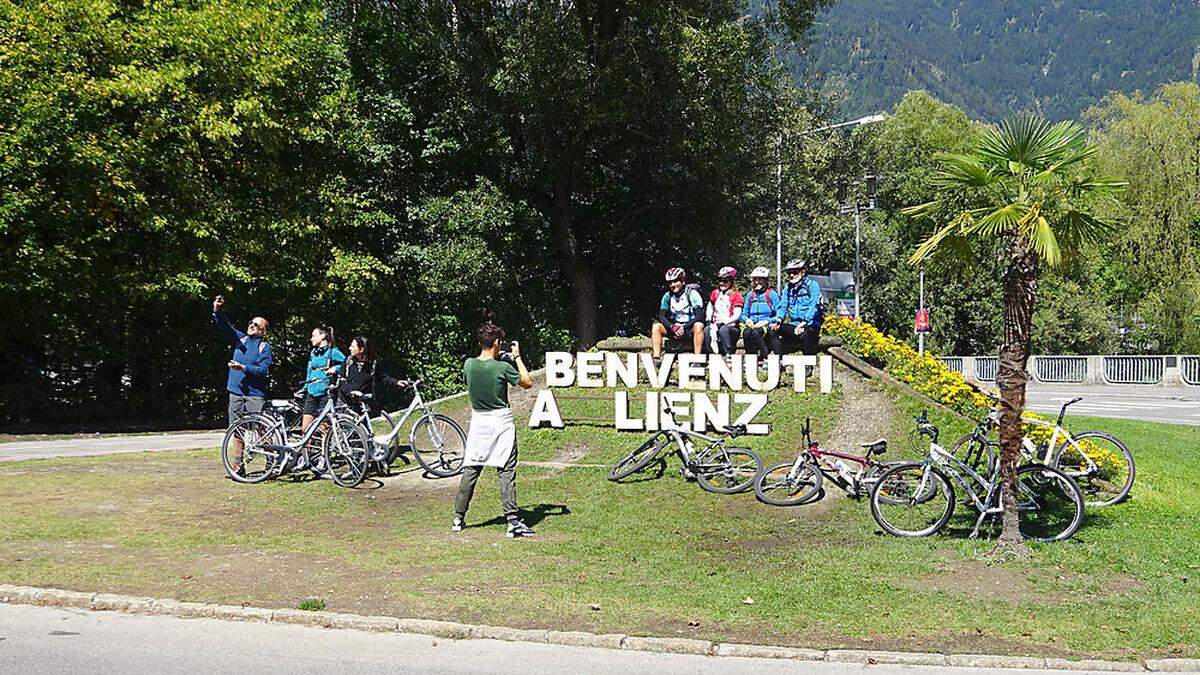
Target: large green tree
1027,188
635,130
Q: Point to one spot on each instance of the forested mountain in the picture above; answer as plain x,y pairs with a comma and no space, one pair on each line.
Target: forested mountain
996,57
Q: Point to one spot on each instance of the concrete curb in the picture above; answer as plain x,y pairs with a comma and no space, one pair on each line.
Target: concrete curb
53,597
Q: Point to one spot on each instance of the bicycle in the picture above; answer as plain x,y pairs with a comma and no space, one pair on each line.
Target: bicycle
1104,483
267,451
905,498
438,442
801,480
716,468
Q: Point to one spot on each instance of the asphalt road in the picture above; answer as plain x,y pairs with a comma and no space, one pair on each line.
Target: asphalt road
82,447
35,640
1179,405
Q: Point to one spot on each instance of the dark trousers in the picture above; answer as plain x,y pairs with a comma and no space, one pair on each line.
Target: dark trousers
508,487
727,338
784,340
755,341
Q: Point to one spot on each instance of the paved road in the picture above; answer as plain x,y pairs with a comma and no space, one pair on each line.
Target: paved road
48,640
81,447
1153,404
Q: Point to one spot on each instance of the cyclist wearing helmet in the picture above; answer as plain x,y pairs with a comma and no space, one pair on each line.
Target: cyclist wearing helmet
679,315
761,302
797,319
724,312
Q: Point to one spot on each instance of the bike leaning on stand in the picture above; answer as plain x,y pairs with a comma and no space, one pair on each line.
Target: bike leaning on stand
917,499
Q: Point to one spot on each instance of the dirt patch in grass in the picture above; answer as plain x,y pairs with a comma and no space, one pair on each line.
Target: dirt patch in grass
977,580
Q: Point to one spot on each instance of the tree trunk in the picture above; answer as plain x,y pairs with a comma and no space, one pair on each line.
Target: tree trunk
1020,294
579,275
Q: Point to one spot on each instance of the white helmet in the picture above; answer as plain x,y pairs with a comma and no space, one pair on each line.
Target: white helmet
675,273
727,272
761,272
795,264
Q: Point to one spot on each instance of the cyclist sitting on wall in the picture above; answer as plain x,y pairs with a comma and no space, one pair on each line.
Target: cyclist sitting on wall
724,312
680,315
759,311
797,319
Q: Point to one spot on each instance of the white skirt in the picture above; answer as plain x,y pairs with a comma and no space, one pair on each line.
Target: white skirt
490,438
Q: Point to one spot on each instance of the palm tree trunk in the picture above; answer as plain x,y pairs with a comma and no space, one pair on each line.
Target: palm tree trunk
1020,294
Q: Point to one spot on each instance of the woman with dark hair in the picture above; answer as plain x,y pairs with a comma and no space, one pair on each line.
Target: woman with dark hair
492,436
361,371
323,358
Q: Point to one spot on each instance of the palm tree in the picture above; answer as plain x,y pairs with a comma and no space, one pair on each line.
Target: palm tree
1026,191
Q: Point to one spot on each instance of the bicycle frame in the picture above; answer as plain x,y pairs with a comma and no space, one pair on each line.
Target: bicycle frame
417,402
817,455
681,436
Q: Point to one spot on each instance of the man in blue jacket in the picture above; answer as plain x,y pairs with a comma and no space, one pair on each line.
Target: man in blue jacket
797,321
250,364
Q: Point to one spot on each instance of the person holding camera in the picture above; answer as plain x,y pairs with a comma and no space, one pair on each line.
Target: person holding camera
492,435
249,365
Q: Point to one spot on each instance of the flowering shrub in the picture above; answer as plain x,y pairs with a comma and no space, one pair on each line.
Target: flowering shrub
934,379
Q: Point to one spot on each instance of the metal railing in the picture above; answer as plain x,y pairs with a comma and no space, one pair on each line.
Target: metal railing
1060,368
1133,369
1189,369
985,368
954,363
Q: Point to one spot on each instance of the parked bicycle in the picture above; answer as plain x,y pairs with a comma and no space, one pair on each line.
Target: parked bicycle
799,481
333,446
1098,461
437,441
716,467
917,499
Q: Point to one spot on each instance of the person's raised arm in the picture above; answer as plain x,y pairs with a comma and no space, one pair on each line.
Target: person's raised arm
526,381
232,335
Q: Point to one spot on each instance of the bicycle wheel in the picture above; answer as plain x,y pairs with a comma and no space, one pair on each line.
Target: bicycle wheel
977,454
727,470
1105,474
781,486
242,451
1049,503
912,500
346,452
439,444
641,457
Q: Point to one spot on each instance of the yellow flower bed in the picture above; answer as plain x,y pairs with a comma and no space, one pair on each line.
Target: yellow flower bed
934,379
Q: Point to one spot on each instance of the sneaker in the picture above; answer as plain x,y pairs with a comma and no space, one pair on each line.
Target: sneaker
519,530
458,524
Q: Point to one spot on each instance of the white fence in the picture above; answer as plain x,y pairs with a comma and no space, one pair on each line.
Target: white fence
1147,370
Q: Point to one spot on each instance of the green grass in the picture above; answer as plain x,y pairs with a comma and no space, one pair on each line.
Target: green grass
657,556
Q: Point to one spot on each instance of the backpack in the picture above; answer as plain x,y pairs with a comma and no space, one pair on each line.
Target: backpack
752,296
688,288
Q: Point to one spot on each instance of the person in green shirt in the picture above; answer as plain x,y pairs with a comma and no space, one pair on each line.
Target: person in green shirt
492,435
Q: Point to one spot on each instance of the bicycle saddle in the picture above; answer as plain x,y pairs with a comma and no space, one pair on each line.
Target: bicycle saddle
735,430
875,447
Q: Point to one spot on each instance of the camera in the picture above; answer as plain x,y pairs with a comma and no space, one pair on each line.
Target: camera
506,352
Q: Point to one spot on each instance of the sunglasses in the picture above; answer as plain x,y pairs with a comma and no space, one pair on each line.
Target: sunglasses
255,324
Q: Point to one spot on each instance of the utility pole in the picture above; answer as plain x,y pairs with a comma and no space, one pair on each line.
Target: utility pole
779,210
921,305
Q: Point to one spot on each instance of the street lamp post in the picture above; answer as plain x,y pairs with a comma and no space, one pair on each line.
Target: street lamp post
869,119
857,208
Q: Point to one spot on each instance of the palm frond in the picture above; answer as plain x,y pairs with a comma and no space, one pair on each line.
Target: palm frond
962,171
1077,229
994,223
950,230
1036,231
1031,142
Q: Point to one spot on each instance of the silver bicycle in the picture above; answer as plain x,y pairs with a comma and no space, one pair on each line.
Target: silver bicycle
916,499
437,441
715,467
257,447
